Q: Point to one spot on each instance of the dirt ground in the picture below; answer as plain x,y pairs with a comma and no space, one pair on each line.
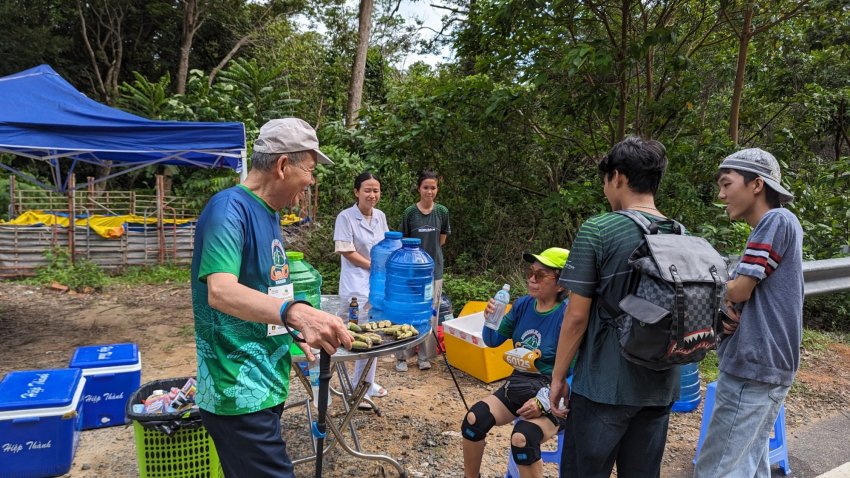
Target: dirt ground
40,328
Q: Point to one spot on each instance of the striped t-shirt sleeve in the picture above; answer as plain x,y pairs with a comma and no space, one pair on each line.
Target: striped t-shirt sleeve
581,274
765,247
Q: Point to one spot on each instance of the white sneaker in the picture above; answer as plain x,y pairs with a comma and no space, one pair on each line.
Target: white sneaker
401,366
424,364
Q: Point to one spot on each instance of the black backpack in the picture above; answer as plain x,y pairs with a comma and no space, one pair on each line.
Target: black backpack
671,317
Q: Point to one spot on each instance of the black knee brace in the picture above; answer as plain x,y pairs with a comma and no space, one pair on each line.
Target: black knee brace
530,453
484,421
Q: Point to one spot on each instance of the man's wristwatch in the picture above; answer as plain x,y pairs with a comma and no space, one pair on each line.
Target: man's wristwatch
284,310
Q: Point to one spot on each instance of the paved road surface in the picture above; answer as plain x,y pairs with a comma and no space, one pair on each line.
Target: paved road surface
818,450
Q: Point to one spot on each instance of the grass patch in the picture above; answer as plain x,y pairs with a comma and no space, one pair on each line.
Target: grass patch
82,275
186,331
164,274
708,367
815,341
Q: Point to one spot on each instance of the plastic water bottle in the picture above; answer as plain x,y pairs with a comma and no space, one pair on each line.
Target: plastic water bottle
305,278
503,297
311,371
409,291
378,272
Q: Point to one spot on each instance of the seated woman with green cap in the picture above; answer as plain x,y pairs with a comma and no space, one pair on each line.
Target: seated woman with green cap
533,325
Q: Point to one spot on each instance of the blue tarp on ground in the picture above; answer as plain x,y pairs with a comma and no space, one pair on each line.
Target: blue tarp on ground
43,117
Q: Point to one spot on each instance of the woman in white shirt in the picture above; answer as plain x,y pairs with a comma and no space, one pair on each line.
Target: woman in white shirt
357,229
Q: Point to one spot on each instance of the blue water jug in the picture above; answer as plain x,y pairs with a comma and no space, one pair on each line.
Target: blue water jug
409,291
689,396
378,271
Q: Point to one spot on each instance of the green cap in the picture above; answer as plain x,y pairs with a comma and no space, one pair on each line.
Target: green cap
295,255
554,257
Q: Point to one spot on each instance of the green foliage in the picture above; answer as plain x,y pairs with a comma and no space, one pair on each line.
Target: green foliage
148,99
828,312
708,368
79,276
815,341
159,274
462,289
260,91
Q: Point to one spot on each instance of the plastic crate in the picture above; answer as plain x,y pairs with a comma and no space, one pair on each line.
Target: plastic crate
465,349
186,452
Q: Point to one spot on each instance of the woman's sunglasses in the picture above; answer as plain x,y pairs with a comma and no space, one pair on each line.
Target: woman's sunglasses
539,274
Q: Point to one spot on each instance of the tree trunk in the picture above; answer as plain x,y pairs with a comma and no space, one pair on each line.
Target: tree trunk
358,71
740,72
103,171
623,67
191,22
104,44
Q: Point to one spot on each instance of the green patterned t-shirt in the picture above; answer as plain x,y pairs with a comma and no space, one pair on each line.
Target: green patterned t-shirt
598,266
241,369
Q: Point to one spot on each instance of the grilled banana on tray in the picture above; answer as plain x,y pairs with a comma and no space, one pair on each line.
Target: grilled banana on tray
367,335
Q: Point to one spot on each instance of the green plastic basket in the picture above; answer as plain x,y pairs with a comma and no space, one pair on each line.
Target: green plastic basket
188,453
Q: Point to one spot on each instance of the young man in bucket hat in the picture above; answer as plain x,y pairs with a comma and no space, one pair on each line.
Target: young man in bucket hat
760,348
244,304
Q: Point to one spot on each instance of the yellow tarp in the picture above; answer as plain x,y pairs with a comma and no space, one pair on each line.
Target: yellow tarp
289,219
109,227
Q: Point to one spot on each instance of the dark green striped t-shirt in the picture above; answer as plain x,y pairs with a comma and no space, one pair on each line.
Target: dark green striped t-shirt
598,266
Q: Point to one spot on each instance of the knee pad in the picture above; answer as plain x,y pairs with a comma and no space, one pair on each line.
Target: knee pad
530,453
484,421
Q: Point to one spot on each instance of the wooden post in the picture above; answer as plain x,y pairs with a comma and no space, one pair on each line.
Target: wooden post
13,186
90,192
72,208
160,201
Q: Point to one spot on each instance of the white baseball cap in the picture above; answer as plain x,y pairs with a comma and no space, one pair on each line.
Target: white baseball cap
289,135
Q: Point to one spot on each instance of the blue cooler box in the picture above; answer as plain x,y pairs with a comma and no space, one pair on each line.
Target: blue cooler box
40,422
113,373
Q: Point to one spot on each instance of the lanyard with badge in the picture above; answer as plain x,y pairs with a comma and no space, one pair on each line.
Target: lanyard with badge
287,293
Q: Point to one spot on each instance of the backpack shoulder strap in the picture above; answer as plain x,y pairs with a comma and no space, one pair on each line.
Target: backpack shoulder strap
651,227
638,218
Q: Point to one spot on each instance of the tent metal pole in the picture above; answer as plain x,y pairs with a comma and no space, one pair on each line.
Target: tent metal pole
57,176
70,172
26,176
243,163
160,186
72,186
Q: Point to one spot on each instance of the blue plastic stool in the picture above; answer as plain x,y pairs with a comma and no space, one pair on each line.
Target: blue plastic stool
778,448
546,456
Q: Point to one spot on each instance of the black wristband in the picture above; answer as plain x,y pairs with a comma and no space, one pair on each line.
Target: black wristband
285,311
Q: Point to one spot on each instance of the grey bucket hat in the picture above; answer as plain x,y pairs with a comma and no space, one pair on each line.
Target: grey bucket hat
762,163
289,135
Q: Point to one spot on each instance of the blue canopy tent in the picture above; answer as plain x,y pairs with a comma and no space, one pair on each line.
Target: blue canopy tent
43,117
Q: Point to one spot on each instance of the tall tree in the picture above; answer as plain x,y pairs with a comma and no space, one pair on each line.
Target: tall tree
745,35
193,12
358,70
103,33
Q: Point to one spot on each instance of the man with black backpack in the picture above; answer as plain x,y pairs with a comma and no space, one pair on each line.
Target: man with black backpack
618,410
